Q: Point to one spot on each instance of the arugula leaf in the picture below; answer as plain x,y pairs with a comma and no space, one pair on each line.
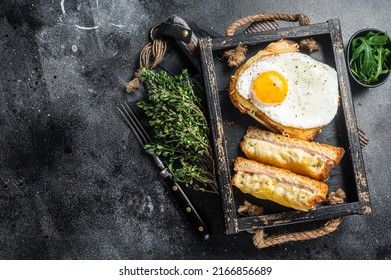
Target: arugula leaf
369,56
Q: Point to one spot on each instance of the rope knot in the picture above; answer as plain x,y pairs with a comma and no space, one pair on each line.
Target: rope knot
135,83
150,57
236,56
302,19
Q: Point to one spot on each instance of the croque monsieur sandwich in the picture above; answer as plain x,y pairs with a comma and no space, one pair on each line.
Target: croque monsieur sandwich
278,185
310,159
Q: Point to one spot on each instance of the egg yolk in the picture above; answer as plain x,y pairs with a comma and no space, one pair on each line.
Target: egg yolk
270,87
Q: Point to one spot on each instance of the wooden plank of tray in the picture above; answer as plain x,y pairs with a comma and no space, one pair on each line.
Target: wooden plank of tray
271,35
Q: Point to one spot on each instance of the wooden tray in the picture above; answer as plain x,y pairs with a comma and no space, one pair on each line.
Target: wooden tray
228,126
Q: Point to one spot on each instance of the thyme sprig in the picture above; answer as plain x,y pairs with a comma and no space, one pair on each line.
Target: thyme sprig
182,136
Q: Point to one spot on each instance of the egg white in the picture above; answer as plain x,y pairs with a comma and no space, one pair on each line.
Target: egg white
312,99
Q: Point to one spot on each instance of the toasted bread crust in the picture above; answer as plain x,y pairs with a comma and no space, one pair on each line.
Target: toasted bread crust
245,106
332,152
310,159
278,185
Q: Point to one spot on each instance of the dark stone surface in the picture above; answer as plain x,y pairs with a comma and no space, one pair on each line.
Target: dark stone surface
74,183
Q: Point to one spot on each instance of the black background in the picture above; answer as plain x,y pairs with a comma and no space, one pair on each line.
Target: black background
74,183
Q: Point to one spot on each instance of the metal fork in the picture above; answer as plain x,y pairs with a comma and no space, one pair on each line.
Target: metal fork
139,131
184,202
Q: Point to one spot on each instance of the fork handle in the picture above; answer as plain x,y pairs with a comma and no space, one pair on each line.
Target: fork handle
186,206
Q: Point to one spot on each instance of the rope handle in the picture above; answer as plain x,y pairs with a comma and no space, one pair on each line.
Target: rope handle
301,18
262,240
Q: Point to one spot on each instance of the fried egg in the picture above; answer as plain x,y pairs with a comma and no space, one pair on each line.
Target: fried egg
292,89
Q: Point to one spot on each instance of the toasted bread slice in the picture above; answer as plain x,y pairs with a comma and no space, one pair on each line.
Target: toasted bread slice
310,159
278,185
245,106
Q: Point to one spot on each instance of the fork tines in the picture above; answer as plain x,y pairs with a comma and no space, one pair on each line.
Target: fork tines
134,124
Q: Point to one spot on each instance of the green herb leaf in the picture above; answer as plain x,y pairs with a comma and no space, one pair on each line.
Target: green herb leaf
369,56
176,116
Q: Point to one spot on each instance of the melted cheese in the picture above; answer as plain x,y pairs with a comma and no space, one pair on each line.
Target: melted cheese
297,160
274,189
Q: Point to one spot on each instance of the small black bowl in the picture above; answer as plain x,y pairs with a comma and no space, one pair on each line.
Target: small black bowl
383,77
